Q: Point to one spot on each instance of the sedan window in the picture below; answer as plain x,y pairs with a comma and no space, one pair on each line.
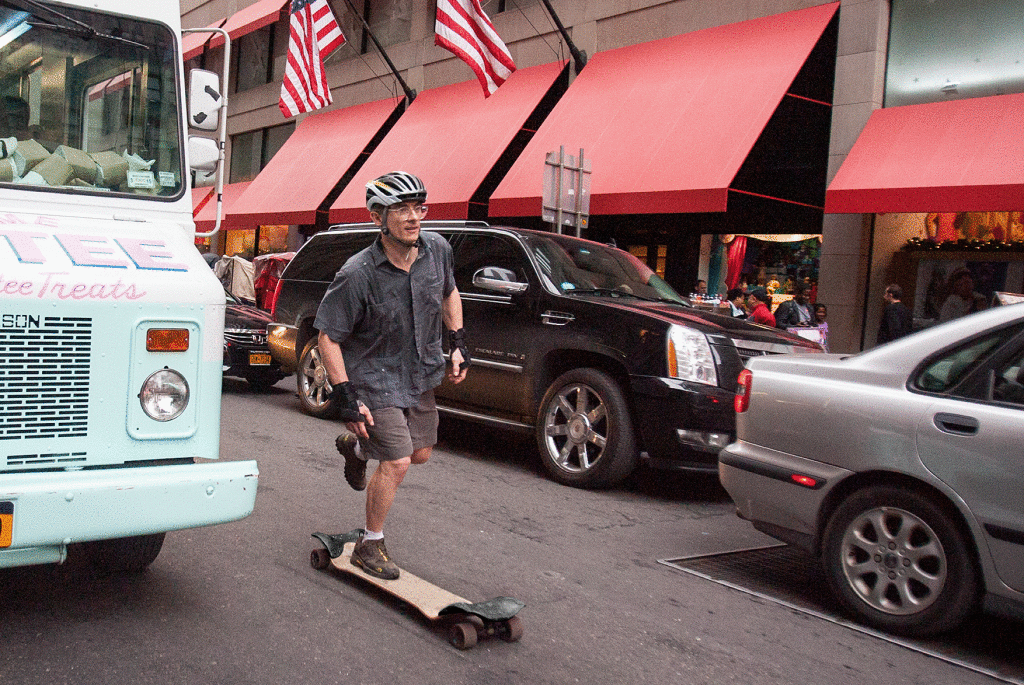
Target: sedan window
945,372
1008,380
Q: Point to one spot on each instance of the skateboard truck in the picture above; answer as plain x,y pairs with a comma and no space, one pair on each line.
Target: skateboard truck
468,621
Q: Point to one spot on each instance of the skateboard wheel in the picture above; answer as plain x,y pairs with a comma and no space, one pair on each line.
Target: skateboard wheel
319,559
513,630
462,636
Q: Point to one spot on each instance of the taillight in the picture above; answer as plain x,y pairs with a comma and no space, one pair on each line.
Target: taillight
742,399
273,299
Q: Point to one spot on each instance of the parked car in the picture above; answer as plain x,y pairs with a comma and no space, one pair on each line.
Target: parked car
578,342
246,354
900,468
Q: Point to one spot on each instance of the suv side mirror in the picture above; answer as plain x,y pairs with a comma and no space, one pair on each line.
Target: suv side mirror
499,280
204,100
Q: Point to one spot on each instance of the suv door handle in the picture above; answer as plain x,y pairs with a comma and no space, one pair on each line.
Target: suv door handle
553,318
956,424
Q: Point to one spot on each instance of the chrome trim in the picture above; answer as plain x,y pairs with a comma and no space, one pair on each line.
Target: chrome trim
487,363
553,318
763,347
483,418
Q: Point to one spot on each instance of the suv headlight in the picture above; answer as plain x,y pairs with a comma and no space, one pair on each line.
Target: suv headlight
164,395
690,357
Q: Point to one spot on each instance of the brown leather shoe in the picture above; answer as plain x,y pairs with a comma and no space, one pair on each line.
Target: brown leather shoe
372,556
355,468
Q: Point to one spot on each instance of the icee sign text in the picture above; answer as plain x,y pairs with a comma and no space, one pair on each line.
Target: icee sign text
104,253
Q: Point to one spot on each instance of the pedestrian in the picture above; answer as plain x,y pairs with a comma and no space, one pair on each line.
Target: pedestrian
820,320
897,320
758,302
795,312
380,326
735,298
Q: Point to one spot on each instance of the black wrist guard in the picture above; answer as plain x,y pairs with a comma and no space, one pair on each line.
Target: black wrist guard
348,407
457,341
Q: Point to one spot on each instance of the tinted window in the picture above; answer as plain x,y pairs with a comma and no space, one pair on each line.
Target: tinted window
947,370
325,253
1008,380
478,251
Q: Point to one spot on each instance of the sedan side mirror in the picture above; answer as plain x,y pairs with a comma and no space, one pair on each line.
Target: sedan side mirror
499,280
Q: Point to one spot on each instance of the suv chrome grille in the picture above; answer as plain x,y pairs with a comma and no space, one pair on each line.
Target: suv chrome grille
748,349
44,382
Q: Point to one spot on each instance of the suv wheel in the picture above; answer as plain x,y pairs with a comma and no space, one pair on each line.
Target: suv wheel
314,388
585,432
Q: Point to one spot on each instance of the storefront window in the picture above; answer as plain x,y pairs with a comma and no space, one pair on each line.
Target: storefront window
952,50
253,65
252,150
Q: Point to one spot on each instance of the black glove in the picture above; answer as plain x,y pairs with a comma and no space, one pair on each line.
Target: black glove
343,397
457,341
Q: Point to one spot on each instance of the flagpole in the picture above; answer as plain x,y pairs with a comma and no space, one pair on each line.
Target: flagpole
409,92
579,57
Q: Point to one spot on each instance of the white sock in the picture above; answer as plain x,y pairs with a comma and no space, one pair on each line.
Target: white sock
371,535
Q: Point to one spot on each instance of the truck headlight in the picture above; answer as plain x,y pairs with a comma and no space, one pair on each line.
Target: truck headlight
690,357
164,395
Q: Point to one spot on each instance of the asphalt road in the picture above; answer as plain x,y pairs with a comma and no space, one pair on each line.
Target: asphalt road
240,604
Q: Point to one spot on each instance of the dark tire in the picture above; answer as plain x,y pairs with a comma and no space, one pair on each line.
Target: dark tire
319,559
898,562
585,431
262,381
513,631
124,555
462,636
314,388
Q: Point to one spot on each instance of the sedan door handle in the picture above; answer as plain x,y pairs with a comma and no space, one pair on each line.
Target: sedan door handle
956,424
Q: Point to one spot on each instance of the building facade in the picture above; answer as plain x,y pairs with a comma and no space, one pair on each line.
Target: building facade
707,121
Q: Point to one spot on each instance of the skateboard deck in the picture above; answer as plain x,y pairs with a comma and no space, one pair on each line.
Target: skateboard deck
467,620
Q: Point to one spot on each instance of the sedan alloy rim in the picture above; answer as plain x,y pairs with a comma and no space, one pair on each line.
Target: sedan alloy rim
893,561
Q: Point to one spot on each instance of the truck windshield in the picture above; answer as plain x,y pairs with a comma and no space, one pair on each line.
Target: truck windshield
88,103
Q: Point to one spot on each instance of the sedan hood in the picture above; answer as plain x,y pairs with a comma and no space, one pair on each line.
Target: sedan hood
244,316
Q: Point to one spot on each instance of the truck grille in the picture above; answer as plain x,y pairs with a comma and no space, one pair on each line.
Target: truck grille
44,381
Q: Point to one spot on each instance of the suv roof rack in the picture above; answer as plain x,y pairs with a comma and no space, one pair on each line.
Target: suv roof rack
454,223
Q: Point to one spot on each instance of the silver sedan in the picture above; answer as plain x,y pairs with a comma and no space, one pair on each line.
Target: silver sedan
901,468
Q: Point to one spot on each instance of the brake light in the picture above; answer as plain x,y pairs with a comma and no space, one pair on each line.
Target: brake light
742,400
167,340
272,305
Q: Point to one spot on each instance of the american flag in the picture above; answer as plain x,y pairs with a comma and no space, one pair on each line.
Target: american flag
463,28
314,34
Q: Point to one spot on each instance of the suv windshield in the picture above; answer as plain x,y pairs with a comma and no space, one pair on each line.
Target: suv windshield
88,102
573,266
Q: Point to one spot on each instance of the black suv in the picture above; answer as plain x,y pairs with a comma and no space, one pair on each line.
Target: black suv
576,341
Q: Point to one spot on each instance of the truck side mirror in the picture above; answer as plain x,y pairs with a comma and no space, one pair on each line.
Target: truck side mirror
203,154
204,100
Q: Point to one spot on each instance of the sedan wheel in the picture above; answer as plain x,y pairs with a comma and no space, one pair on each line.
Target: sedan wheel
314,388
899,562
584,432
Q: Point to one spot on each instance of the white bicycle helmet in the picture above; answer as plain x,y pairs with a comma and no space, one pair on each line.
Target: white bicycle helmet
390,189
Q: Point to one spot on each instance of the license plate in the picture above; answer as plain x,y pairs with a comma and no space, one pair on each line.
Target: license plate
259,359
6,523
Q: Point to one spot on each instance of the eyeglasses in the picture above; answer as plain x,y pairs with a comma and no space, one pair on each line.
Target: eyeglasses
407,212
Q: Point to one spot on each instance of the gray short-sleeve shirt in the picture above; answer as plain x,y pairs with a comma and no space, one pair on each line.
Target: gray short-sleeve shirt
388,322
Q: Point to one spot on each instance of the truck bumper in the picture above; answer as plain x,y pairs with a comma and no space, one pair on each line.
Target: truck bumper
281,340
48,511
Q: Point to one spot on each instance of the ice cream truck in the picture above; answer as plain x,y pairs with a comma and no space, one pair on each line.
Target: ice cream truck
111,321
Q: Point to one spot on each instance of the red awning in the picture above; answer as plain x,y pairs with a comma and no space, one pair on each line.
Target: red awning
309,165
668,124
200,196
192,43
246,20
451,137
249,19
955,156
207,215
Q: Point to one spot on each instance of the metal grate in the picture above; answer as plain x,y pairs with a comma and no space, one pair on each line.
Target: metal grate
44,379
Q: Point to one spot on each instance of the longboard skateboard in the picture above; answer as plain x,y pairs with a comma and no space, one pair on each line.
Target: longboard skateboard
467,621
